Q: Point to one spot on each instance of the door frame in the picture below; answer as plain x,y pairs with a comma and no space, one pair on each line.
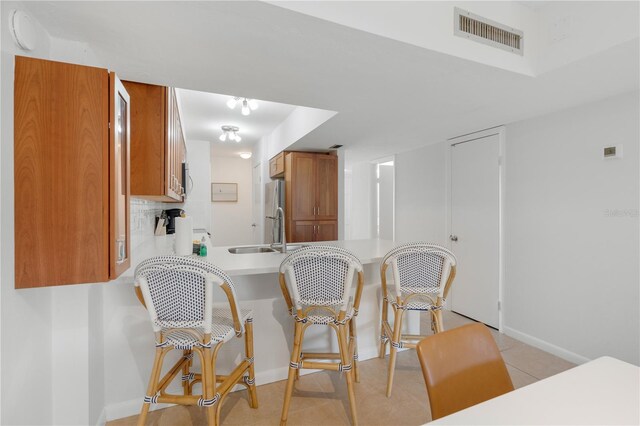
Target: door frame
374,195
257,170
500,131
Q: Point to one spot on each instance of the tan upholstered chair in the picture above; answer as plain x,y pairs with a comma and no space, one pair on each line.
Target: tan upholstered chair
422,275
316,283
462,367
178,293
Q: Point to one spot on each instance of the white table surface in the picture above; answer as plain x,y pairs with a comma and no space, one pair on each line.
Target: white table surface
605,391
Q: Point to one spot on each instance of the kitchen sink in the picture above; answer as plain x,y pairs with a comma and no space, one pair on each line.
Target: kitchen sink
253,249
264,249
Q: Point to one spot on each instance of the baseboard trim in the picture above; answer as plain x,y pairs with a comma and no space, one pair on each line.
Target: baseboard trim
102,419
545,346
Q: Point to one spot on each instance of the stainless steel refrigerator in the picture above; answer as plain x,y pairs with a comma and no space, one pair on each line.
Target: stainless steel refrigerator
274,198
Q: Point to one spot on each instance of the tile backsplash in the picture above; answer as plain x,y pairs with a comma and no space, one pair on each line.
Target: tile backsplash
143,214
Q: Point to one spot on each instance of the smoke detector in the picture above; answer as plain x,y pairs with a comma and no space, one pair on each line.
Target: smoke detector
22,29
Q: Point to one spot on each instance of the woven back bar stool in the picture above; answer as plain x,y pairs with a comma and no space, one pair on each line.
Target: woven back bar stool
422,276
316,283
178,292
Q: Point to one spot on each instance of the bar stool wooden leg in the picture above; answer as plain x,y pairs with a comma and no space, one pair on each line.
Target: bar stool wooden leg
185,372
383,333
153,384
295,358
436,317
397,334
208,384
353,349
248,343
345,358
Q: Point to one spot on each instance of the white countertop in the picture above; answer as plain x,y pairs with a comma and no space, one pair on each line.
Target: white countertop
368,251
602,391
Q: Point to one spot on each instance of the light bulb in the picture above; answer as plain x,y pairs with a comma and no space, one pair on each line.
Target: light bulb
253,104
245,155
232,136
245,108
238,138
231,103
223,137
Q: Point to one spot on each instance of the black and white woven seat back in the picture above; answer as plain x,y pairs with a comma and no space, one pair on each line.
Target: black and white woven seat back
177,286
420,266
321,275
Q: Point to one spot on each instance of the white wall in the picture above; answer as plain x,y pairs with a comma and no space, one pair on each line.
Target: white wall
231,222
572,230
571,226
359,201
420,195
30,343
568,30
300,122
198,203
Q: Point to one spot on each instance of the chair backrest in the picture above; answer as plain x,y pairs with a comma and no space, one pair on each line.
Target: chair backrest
420,268
462,367
320,275
178,292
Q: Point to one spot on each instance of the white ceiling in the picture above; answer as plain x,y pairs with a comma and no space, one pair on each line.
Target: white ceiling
204,113
390,96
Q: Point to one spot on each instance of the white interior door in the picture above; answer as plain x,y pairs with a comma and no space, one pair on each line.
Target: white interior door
257,204
475,228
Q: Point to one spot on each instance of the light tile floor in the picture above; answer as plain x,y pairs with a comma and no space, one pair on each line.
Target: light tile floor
321,398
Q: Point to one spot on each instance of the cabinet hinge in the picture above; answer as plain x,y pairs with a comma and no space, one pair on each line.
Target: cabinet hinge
109,124
499,306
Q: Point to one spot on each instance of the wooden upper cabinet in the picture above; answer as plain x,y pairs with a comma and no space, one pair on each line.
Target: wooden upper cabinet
276,166
302,184
311,196
326,187
64,180
157,143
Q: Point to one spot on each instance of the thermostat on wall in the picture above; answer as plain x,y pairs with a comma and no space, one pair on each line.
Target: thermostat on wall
22,30
614,151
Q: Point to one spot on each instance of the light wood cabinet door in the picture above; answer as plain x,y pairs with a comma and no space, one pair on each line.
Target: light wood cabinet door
276,166
326,187
303,231
148,138
61,173
326,230
302,184
157,143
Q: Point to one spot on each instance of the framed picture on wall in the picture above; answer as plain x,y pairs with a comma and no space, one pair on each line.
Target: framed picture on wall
227,192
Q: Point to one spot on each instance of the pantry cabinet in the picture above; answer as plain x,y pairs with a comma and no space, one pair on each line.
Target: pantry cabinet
71,174
157,143
311,196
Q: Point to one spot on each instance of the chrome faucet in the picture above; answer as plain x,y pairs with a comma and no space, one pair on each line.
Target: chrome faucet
283,236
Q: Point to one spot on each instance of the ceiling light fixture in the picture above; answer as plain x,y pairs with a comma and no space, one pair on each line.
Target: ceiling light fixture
245,155
231,133
248,105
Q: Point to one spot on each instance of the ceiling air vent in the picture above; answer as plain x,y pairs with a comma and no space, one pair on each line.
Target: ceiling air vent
486,31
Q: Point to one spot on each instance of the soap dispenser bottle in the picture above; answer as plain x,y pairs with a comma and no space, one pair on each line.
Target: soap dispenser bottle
203,246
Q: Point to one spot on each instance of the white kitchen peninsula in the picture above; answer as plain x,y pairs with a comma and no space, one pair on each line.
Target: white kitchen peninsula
256,282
